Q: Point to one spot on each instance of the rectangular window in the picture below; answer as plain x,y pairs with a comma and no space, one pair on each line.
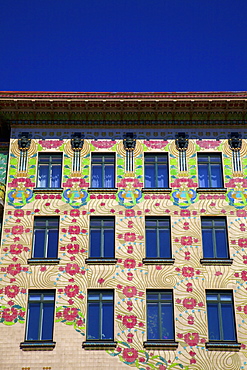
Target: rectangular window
40,316
156,170
49,171
221,319
210,171
102,237
45,239
100,313
214,237
158,238
160,321
103,170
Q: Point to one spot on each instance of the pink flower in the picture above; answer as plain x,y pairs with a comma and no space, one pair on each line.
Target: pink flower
189,303
70,313
242,243
192,339
190,320
186,240
188,271
129,213
142,359
192,353
18,229
129,263
73,248
71,290
129,291
129,321
185,213
245,310
74,229
101,280
162,367
74,213
12,290
241,213
130,354
16,248
192,361
10,314
244,275
43,268
72,268
14,269
129,237
18,213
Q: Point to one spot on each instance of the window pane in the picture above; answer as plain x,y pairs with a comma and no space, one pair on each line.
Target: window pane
207,241
107,295
216,177
95,243
150,223
207,222
107,321
228,322
162,176
165,247
43,177
93,321
56,176
109,176
52,243
39,243
153,321
203,176
95,222
151,243
47,324
33,321
149,176
152,296
97,176
109,243
221,243
213,321
167,321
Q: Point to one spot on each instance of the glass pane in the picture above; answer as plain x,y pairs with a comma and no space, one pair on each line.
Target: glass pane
48,297
151,222
152,296
226,297
161,158
47,324
107,321
167,322
34,297
207,242
39,244
95,222
56,159
33,321
162,176
40,221
221,243
97,159
153,321
219,222
109,159
203,176
164,241
215,159
43,177
213,321
109,243
151,243
52,243
93,321
109,177
164,223
149,176
149,159
56,172
95,243
94,296
216,176
207,222
109,223
202,159
44,159
166,296
96,176
228,322
107,295
212,297
52,222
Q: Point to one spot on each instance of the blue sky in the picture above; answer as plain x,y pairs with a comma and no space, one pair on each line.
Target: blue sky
123,45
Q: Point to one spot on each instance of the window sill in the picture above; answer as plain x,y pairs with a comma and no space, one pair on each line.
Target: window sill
96,261
211,190
47,190
99,345
43,261
158,261
223,346
103,190
161,344
216,261
37,345
157,190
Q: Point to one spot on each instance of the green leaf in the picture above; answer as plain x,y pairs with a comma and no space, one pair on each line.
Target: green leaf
125,344
17,306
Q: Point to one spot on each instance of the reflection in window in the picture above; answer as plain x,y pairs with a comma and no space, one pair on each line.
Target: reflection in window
100,315
158,239
214,237
156,171
45,241
102,237
103,170
210,171
49,170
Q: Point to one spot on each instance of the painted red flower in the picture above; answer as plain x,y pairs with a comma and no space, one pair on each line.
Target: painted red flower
241,213
75,213
101,280
192,339
129,291
130,354
188,271
71,290
129,321
129,263
242,243
9,314
72,268
12,290
73,248
245,310
14,269
244,275
129,237
129,213
16,248
18,213
189,303
70,313
18,229
74,229
186,240
185,213
162,367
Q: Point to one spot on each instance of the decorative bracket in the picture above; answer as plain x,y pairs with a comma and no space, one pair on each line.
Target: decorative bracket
182,142
129,141
235,141
24,141
77,141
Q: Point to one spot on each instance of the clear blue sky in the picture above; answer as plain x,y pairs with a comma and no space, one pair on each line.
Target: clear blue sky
123,45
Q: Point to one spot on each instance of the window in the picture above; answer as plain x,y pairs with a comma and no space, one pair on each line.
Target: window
102,237
45,241
49,171
40,317
100,312
156,171
160,322
210,171
214,237
158,239
103,170
221,321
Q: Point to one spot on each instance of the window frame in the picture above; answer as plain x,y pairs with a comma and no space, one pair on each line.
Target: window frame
46,241
103,155
50,155
155,164
209,164
158,229
102,238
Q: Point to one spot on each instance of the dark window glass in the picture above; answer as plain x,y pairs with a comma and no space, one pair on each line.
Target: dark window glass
45,239
221,320
214,237
103,170
210,171
49,171
100,313
156,171
160,322
102,237
40,317
158,239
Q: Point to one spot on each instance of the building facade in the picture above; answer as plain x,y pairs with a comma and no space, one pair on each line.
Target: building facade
124,231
